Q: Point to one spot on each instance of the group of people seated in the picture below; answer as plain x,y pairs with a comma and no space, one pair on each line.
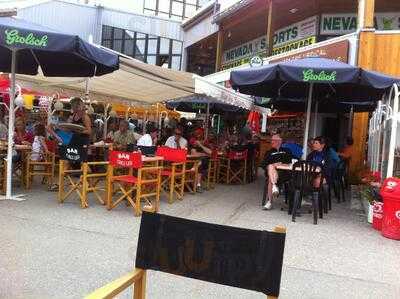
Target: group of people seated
320,152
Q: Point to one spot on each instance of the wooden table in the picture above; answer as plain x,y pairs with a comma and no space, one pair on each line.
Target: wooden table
289,167
103,145
197,156
152,161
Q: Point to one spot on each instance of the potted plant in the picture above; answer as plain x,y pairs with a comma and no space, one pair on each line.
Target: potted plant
369,195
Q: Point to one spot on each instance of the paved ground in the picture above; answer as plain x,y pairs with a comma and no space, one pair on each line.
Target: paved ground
48,250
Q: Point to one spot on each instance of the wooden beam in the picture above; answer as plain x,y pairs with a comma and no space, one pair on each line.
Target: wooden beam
366,11
270,29
220,47
366,60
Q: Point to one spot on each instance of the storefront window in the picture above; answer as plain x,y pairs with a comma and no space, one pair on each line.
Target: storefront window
151,49
172,9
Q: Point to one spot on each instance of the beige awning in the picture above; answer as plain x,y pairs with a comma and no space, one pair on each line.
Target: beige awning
134,83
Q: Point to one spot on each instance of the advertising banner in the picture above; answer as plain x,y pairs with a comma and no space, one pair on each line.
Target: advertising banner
243,53
338,51
340,24
295,32
295,45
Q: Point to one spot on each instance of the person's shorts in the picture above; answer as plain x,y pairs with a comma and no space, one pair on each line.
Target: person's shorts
203,168
283,176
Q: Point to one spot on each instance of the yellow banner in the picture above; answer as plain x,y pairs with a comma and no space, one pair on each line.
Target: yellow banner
294,45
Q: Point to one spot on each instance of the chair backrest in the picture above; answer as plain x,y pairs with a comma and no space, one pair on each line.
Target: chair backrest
238,155
341,168
214,154
172,154
76,153
304,173
237,257
125,159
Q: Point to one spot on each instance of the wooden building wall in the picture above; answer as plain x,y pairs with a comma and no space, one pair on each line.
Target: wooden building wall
378,52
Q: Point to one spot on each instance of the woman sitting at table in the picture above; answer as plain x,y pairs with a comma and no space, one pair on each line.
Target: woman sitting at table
324,155
21,135
39,146
199,145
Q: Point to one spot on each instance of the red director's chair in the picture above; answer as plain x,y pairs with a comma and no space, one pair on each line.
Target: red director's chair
173,173
134,188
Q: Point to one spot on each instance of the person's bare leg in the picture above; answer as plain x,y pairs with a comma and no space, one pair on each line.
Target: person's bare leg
198,183
272,180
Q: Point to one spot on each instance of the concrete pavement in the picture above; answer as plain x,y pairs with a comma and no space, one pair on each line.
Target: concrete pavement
48,250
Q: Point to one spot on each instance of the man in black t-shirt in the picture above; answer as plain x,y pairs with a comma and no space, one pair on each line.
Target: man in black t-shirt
274,157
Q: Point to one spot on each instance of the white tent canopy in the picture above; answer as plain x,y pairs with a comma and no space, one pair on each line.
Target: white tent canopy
138,83
135,82
226,95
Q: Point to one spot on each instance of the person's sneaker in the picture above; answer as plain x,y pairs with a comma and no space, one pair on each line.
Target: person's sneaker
275,190
199,189
268,205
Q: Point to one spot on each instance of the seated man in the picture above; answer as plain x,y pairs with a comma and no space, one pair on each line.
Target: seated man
176,140
150,138
274,157
123,137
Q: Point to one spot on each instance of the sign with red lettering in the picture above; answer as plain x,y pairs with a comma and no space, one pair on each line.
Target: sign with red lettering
126,159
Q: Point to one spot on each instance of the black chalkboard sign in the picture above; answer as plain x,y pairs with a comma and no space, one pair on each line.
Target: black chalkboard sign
73,153
237,257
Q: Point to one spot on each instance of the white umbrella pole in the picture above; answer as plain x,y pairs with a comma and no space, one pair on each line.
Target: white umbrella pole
11,125
309,101
315,119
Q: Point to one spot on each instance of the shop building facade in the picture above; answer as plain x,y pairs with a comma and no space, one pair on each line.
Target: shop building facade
251,32
151,31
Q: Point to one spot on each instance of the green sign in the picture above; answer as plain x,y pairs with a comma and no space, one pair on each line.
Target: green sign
199,106
310,75
339,24
13,37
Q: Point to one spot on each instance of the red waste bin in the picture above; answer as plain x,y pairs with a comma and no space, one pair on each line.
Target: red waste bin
377,215
390,193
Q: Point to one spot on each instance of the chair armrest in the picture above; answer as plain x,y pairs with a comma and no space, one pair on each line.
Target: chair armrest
114,288
97,163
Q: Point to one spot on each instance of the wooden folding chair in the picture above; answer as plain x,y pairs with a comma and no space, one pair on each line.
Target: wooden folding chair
230,256
44,168
83,181
173,173
233,167
191,174
134,188
212,172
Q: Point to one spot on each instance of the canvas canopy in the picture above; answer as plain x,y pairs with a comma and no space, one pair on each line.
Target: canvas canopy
134,83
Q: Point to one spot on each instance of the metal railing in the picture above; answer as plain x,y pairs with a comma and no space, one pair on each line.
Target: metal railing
384,136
